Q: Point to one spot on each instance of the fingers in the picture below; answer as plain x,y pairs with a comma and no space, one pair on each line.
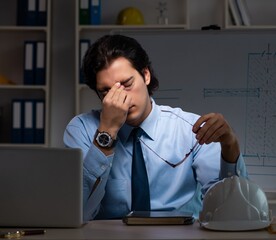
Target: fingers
117,96
211,127
115,90
115,108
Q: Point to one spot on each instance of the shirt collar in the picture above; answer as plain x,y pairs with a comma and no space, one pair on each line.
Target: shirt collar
148,125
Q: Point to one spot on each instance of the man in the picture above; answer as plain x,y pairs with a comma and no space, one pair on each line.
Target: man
182,152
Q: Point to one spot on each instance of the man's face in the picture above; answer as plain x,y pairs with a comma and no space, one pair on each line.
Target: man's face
121,70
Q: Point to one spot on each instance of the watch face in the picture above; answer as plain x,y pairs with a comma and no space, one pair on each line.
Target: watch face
104,139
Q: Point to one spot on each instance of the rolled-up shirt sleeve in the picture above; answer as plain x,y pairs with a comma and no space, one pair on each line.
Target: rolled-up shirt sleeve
230,169
227,170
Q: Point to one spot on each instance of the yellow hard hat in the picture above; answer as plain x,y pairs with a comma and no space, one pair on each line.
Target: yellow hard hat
4,80
130,16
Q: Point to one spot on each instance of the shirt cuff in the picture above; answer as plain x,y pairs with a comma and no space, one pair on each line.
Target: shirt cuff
96,162
230,169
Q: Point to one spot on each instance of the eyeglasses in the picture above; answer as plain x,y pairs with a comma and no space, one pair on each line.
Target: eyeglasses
19,234
195,147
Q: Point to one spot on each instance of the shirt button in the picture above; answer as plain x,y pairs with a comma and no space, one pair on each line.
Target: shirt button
238,172
229,174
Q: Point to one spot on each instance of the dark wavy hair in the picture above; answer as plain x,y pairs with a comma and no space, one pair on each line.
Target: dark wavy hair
110,47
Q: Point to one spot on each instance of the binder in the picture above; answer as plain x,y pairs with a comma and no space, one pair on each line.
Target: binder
41,12
84,45
28,127
39,113
22,6
95,12
40,63
29,60
84,12
31,14
17,121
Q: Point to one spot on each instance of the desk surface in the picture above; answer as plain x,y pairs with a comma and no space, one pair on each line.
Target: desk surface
115,229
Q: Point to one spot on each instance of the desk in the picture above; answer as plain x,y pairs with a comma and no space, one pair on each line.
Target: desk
115,229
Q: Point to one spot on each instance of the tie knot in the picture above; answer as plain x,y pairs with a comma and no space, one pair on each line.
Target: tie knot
137,132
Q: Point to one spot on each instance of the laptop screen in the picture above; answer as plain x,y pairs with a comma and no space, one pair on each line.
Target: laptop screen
41,187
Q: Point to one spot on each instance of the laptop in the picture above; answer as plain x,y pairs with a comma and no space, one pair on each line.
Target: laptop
40,187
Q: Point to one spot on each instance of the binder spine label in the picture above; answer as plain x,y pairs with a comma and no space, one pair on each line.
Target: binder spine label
17,121
42,6
16,115
39,115
29,57
40,55
31,5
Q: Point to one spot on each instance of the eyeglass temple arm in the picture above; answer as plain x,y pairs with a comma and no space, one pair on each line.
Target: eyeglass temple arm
186,156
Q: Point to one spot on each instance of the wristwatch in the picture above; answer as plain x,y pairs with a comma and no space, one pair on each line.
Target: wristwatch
104,139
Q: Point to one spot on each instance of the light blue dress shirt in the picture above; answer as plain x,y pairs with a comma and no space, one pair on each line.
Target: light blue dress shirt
168,135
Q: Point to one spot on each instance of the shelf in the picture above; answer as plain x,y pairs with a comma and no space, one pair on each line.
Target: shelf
253,27
13,87
22,28
21,145
12,65
82,86
132,27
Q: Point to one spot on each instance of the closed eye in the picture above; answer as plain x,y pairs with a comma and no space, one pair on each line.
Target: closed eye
102,93
128,83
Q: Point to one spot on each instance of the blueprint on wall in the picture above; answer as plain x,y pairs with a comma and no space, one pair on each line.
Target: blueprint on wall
260,138
259,146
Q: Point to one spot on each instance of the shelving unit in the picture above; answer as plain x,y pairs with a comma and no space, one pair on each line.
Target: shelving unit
12,68
261,15
177,13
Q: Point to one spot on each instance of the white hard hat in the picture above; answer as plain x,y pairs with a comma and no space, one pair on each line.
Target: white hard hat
235,204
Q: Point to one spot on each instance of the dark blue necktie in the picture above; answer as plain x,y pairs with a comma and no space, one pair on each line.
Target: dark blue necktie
139,183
